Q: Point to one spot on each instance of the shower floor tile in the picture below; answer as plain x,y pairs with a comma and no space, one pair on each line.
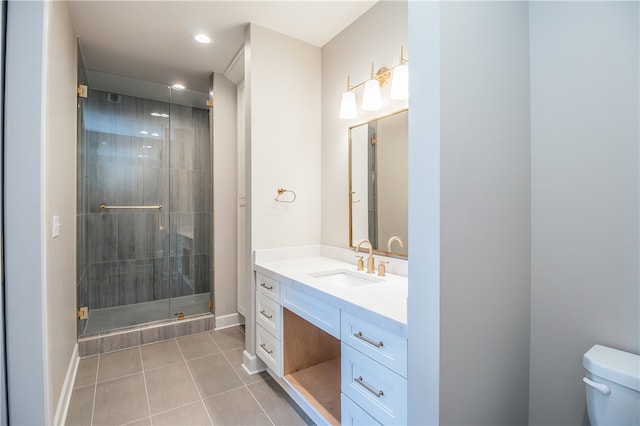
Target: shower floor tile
178,389
107,319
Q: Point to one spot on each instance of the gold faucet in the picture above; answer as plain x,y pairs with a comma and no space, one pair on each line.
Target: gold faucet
391,240
371,263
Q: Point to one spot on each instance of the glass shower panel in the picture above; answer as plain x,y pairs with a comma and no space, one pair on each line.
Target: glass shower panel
191,203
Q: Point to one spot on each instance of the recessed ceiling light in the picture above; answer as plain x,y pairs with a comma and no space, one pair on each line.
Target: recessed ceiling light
155,134
178,86
157,114
202,38
144,132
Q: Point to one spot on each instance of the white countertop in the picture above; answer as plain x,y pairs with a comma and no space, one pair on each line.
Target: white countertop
383,303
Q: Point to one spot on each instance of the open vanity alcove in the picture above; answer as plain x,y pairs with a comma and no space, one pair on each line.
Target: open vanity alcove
335,338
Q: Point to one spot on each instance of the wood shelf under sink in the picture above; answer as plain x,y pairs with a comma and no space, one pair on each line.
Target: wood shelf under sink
312,365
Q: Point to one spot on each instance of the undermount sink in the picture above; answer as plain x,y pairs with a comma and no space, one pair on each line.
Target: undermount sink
345,278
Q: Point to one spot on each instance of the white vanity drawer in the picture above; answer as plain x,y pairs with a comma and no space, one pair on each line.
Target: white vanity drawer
320,314
268,286
387,348
376,389
269,315
269,349
352,415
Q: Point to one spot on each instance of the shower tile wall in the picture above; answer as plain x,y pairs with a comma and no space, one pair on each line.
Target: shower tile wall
124,257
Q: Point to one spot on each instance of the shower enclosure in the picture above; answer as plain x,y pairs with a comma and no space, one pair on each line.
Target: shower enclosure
145,204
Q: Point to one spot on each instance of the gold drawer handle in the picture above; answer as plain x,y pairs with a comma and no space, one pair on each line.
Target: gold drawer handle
264,313
263,346
360,336
368,387
266,286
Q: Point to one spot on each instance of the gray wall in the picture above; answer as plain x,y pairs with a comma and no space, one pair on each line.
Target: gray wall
24,240
423,302
40,172
469,214
584,196
485,203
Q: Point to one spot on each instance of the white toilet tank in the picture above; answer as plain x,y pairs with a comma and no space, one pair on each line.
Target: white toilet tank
613,386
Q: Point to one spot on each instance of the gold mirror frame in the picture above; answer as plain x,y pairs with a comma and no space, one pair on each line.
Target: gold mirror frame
352,243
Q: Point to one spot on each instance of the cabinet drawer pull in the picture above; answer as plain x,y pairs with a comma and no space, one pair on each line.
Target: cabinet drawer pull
266,286
360,336
263,346
264,313
368,387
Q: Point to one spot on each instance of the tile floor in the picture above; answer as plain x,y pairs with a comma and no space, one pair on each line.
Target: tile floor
193,380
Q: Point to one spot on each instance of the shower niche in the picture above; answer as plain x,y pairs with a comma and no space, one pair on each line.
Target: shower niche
145,203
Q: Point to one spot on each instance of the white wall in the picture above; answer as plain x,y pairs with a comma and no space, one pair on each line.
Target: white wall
282,149
374,37
224,195
285,139
60,194
469,214
584,196
40,182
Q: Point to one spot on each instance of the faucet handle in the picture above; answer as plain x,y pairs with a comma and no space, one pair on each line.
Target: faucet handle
360,262
381,267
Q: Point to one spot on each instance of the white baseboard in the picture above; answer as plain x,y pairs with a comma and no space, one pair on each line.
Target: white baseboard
252,364
60,417
226,321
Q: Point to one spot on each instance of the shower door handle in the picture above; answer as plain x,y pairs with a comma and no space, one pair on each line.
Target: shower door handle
159,207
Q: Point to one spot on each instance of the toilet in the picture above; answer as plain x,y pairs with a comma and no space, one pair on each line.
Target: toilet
613,386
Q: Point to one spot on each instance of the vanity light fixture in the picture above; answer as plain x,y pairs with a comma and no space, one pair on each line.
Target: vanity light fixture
371,98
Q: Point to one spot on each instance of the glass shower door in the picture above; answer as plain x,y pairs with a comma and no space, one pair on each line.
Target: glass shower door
144,204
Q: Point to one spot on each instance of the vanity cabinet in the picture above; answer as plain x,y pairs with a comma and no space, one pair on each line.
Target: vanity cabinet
374,372
269,322
348,364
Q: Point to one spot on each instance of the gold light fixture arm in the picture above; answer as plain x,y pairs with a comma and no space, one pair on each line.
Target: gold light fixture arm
383,75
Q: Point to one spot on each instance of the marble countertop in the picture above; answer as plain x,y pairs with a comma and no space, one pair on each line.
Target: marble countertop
383,303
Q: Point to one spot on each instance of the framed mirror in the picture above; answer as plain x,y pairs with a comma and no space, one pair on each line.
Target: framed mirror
378,184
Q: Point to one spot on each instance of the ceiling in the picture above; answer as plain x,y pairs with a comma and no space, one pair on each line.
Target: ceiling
152,40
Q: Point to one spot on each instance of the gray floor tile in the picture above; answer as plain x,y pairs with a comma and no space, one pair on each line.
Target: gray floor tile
120,401
170,387
277,404
118,364
197,346
81,406
193,414
228,338
235,358
86,374
236,407
140,422
213,375
160,354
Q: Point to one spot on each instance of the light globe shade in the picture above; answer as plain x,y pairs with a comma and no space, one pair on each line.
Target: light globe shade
371,98
348,108
400,83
